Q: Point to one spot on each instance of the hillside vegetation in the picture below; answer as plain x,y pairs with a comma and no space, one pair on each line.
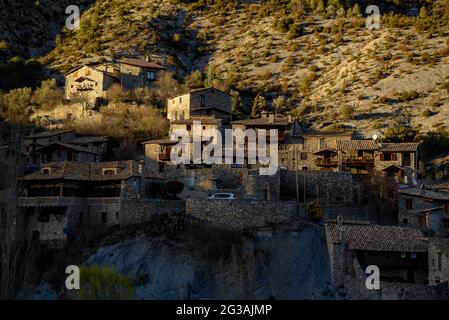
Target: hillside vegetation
314,58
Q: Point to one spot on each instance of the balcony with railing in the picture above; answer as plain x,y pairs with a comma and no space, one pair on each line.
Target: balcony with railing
65,201
326,162
358,161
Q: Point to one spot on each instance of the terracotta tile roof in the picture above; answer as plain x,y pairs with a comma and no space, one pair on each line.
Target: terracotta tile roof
277,121
438,185
47,134
377,237
198,90
69,170
66,170
203,120
141,63
347,145
161,142
56,145
89,139
125,170
423,193
328,134
399,147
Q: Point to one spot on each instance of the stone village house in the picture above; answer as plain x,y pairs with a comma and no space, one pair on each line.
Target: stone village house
61,145
426,210
411,266
63,198
92,81
201,102
136,73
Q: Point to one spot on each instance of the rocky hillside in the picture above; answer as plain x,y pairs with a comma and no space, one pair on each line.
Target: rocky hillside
223,265
314,58
29,27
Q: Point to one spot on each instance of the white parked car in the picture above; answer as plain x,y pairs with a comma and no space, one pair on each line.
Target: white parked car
223,196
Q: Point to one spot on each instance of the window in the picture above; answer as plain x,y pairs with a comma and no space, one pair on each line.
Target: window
151,75
180,99
409,204
303,156
46,170
322,143
446,223
406,159
203,101
405,221
386,157
109,171
439,262
188,127
359,153
81,219
104,218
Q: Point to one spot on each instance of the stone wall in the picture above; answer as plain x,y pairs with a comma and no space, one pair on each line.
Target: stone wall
356,288
409,170
241,214
438,264
433,212
135,211
183,106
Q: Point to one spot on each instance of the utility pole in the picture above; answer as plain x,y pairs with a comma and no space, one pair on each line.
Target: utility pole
305,194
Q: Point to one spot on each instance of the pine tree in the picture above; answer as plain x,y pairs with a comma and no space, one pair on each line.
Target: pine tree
423,12
236,103
320,6
259,104
356,10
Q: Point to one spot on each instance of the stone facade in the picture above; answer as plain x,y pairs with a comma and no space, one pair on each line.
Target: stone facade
438,261
355,288
399,160
208,101
38,140
91,81
65,152
140,211
425,210
314,152
135,73
241,214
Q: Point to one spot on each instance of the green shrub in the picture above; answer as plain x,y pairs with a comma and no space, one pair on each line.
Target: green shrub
102,283
427,113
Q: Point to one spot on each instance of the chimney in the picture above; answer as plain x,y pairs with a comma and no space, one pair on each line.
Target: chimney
147,58
271,117
264,114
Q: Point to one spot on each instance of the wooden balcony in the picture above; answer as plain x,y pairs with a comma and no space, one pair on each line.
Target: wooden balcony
164,157
326,162
358,161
